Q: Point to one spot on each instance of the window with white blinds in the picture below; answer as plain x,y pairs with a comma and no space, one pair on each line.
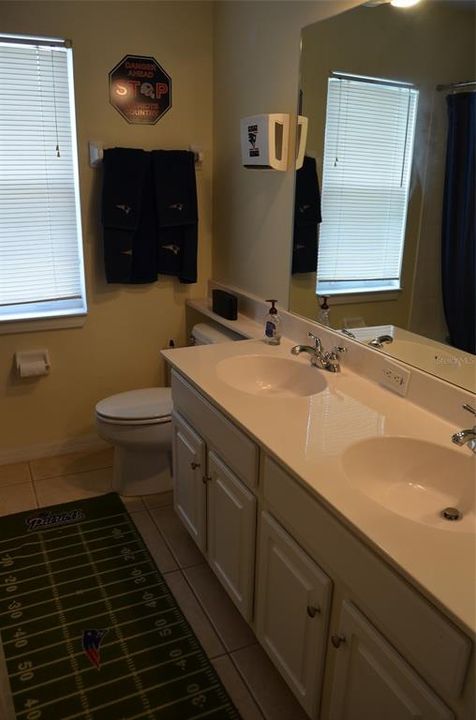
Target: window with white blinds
41,261
370,127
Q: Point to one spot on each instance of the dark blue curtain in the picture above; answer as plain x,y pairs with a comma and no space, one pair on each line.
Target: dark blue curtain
459,222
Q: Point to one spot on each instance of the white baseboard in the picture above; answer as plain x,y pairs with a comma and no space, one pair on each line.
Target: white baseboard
81,443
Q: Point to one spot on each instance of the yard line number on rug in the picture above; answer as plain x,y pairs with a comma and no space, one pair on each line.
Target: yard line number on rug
89,628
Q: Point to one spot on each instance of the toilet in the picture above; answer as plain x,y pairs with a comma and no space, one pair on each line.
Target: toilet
138,424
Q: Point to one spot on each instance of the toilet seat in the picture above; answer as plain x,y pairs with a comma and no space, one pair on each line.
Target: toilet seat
149,406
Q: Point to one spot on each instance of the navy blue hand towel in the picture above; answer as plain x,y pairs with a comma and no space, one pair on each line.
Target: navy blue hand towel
175,187
124,170
307,203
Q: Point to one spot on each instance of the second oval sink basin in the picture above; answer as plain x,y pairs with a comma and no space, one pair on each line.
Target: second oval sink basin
270,376
415,479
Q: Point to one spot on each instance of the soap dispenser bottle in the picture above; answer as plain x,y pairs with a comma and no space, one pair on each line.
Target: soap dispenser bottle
324,312
272,328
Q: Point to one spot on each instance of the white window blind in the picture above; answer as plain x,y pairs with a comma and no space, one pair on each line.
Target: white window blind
41,263
368,152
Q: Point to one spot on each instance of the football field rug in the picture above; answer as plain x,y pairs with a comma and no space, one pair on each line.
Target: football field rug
89,628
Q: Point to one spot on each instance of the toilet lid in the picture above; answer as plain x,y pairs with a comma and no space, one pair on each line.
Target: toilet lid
136,405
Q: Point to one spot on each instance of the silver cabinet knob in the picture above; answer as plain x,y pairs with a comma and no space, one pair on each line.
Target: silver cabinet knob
337,640
194,465
313,610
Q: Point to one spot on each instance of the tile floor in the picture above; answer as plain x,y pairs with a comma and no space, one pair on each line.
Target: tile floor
251,680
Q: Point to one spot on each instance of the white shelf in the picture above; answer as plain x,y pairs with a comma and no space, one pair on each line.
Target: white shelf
243,325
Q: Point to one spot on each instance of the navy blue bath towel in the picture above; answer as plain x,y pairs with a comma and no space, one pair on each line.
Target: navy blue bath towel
128,216
177,213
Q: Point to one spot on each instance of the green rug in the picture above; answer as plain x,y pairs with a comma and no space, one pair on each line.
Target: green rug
89,628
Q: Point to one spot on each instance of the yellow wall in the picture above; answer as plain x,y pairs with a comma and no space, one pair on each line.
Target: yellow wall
118,348
256,71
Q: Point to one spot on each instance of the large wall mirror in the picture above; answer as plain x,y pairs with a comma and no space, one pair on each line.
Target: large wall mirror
374,85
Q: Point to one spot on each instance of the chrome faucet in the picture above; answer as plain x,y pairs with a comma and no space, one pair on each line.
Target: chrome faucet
466,437
379,341
323,359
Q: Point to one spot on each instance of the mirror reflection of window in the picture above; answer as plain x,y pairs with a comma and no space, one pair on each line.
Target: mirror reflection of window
369,137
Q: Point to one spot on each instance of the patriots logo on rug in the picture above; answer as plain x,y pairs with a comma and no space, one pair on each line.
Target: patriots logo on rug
91,641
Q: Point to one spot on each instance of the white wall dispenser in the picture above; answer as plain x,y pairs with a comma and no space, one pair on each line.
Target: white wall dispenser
32,363
265,141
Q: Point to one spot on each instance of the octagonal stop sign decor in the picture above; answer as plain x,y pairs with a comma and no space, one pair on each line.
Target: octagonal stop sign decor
140,89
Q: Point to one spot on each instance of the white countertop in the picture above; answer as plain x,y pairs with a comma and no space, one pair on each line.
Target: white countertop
310,435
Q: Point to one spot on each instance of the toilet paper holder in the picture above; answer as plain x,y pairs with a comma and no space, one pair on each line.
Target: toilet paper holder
32,363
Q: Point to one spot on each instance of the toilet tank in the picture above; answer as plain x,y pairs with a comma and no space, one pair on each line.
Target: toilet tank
205,334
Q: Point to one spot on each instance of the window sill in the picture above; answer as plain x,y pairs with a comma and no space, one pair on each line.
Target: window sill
362,297
10,327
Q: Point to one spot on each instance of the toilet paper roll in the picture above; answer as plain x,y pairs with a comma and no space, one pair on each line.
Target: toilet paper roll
33,368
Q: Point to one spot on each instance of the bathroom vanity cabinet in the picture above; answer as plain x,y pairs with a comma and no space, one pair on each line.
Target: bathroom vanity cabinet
351,636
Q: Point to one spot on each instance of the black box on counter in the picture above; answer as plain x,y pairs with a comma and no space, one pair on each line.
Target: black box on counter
225,304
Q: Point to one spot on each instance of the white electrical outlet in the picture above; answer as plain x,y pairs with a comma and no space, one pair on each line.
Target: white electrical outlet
395,377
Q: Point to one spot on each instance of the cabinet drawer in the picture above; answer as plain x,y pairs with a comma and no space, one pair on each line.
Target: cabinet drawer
430,642
239,452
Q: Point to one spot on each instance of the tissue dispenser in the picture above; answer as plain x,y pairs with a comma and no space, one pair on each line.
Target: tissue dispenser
265,140
32,363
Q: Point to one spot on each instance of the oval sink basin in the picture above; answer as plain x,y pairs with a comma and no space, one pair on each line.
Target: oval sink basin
415,479
270,376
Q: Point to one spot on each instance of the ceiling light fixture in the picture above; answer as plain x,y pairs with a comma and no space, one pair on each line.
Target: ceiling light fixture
395,3
403,3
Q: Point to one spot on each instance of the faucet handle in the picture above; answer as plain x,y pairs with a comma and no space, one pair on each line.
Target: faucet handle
469,408
317,342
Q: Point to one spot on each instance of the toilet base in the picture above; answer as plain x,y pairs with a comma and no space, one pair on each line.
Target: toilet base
139,472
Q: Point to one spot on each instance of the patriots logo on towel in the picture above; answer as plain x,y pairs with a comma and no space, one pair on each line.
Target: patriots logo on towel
91,641
125,208
173,248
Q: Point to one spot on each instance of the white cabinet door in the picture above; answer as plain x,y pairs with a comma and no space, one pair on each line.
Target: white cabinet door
293,605
190,495
372,681
231,533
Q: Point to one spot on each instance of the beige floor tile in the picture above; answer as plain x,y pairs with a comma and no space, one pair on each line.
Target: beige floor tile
133,503
154,541
232,629
14,474
177,538
17,498
269,690
71,463
159,499
73,487
236,688
195,615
